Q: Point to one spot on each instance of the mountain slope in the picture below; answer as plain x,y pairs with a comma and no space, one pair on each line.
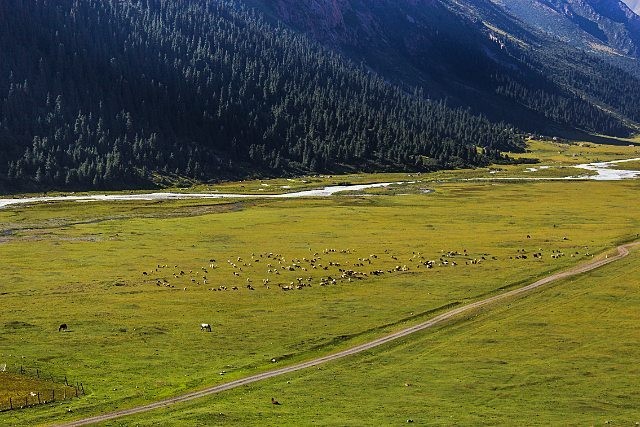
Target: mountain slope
476,54
100,94
605,25
633,5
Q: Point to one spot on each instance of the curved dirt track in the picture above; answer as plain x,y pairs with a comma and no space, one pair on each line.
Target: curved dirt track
623,251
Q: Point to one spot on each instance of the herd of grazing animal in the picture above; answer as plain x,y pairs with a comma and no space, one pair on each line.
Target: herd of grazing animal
334,266
326,267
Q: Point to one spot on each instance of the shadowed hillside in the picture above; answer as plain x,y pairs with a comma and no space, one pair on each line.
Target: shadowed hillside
115,94
491,58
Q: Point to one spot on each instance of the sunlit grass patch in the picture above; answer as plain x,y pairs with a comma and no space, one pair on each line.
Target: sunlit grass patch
634,165
549,358
136,337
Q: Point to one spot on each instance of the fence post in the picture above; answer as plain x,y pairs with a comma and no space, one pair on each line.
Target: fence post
81,386
53,395
65,381
38,373
21,370
64,394
39,398
10,403
76,391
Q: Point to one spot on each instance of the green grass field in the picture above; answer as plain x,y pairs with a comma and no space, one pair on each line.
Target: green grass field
134,338
634,166
28,389
565,355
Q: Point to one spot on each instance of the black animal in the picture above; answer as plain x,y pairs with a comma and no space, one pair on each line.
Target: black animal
63,327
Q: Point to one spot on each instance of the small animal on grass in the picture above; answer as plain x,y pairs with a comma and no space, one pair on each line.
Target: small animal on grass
274,401
205,327
63,327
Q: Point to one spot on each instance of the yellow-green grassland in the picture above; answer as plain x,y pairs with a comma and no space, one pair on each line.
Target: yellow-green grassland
286,280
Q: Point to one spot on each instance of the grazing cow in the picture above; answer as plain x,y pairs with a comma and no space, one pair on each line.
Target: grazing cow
63,327
205,327
274,401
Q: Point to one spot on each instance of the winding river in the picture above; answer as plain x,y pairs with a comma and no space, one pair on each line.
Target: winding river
605,173
322,192
603,170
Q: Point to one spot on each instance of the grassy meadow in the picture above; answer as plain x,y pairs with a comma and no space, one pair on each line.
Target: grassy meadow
20,390
565,355
634,166
134,281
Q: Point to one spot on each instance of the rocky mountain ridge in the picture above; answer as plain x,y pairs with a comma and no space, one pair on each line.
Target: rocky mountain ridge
600,25
633,5
494,56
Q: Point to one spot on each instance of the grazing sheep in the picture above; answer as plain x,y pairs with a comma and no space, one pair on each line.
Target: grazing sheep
205,327
63,327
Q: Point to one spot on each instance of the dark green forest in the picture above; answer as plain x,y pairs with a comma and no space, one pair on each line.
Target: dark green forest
110,94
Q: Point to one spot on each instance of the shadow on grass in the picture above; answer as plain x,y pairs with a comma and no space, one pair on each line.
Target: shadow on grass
577,135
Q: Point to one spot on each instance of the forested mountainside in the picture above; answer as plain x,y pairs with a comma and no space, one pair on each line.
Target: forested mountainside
477,54
108,94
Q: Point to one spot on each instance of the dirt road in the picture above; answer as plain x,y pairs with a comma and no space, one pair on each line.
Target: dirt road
623,251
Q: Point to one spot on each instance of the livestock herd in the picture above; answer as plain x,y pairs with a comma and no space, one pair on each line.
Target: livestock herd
328,267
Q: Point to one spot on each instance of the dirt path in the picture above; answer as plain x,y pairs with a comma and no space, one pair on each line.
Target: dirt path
623,251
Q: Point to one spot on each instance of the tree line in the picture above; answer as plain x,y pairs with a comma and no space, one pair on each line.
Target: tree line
110,94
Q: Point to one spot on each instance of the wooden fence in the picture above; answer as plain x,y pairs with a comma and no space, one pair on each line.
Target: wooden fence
48,389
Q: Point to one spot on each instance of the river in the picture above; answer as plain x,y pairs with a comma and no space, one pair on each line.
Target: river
603,170
321,192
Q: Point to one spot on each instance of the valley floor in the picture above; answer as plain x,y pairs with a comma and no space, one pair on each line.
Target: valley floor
283,281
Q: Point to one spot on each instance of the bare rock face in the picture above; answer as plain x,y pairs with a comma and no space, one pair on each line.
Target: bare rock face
350,23
368,29
323,18
633,5
601,24
333,22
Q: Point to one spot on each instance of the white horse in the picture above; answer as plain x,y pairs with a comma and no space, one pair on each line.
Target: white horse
205,327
